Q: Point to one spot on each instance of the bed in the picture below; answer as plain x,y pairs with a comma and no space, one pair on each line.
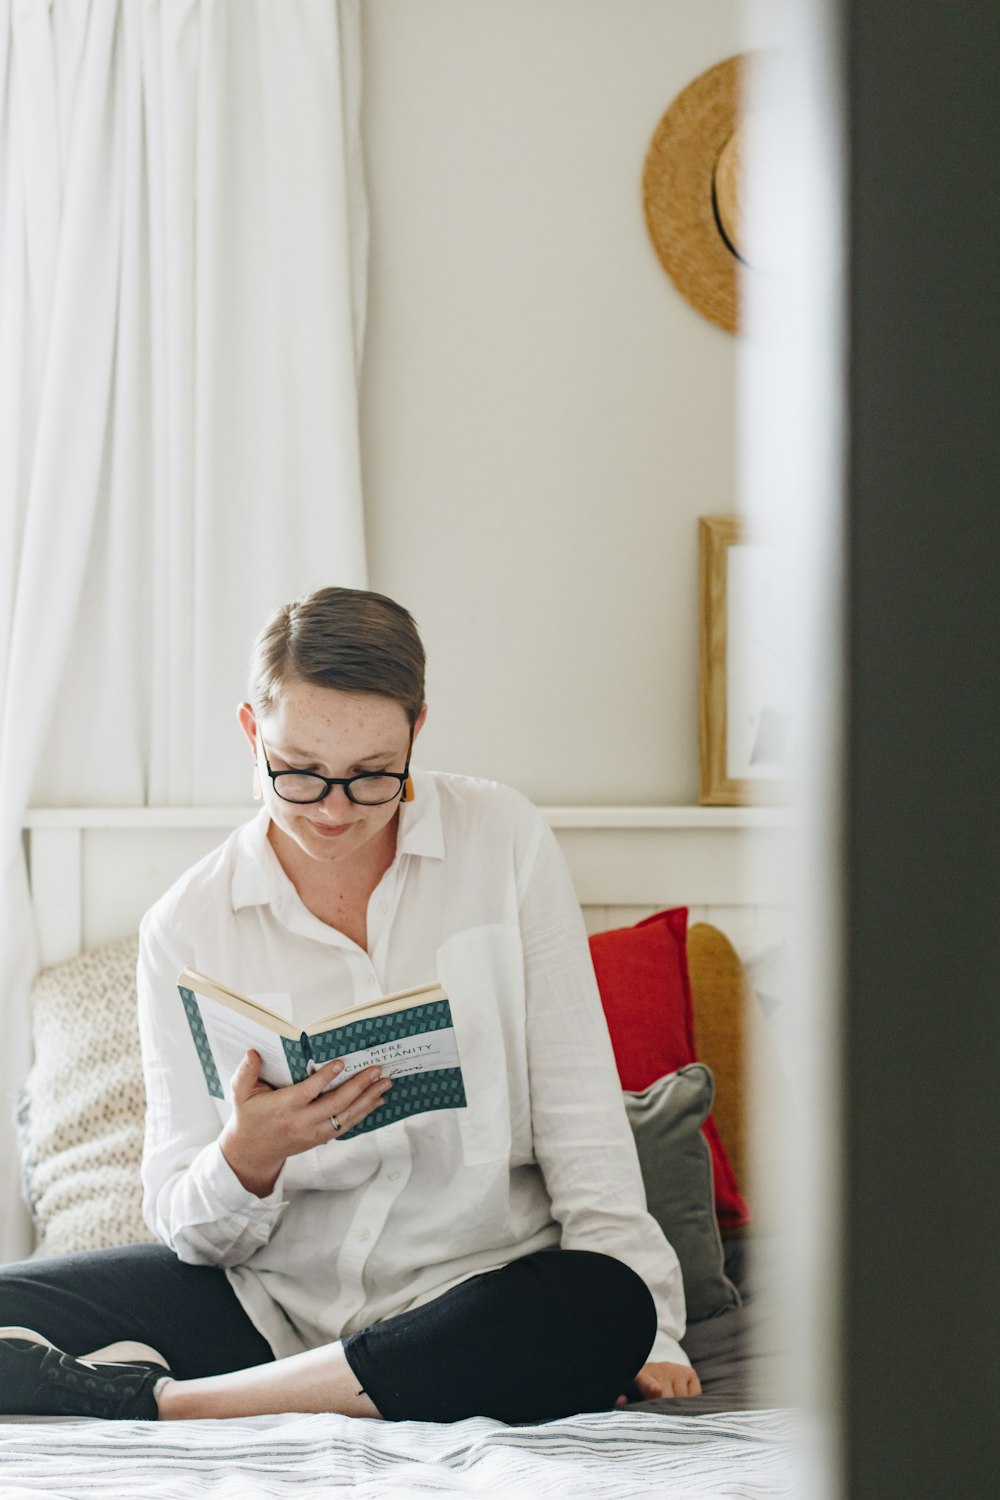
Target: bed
92,875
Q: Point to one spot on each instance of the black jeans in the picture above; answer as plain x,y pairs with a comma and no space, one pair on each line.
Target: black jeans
553,1333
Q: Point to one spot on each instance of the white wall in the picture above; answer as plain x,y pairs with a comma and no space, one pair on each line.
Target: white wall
543,415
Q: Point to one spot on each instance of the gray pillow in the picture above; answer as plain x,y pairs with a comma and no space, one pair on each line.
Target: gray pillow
676,1164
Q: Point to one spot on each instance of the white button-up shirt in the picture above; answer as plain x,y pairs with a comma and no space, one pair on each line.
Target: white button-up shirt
478,897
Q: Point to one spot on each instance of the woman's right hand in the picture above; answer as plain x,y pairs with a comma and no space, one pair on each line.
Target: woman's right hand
268,1125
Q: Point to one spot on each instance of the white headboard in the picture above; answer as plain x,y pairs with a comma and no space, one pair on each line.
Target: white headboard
94,871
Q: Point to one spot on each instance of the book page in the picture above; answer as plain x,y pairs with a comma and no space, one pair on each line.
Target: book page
231,1034
278,1007
276,1001
386,1006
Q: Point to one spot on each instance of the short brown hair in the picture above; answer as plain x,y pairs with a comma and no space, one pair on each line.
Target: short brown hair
348,639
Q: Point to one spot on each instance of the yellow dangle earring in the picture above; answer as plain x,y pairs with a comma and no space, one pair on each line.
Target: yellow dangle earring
407,790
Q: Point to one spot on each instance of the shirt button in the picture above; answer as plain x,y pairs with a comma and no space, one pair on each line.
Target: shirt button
383,907
370,979
365,1234
393,1176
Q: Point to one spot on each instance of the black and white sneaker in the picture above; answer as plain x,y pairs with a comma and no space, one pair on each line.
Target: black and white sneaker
39,1380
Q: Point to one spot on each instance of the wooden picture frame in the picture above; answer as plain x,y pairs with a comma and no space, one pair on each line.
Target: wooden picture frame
726,690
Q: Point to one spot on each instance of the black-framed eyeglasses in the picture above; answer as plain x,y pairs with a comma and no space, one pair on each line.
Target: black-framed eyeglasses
367,789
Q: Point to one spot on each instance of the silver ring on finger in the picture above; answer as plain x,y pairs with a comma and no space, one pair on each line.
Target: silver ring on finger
335,1123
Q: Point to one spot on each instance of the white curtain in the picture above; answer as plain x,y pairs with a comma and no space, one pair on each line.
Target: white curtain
182,249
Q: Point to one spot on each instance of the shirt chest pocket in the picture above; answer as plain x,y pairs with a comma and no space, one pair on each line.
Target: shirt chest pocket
482,976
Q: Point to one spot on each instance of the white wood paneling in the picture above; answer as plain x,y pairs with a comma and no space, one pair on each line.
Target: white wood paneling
126,870
57,893
752,930
94,871
703,866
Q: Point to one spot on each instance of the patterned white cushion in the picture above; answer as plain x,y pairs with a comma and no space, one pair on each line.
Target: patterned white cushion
82,1109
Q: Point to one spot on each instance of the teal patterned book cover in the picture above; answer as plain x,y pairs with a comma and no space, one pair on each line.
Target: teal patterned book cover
409,1035
415,1048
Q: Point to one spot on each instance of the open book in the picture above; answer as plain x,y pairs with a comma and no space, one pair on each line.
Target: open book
409,1035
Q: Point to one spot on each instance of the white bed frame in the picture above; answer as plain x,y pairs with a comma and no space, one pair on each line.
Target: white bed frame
94,871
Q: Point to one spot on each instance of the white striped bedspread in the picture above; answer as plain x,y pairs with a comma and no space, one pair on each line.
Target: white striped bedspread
743,1455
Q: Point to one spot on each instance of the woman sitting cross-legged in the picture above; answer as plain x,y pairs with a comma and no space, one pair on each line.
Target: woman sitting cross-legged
493,1260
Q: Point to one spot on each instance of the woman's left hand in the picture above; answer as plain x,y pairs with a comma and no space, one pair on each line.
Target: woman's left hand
662,1378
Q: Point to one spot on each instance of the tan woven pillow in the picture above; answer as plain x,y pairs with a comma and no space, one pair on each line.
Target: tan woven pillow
81,1111
732,1037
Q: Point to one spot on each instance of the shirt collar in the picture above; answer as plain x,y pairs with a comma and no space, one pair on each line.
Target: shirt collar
420,828
253,874
257,872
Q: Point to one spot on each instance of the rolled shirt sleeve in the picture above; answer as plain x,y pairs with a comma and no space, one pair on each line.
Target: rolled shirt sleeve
192,1199
583,1141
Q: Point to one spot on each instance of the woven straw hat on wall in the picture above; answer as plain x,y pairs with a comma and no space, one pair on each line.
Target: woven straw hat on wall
692,186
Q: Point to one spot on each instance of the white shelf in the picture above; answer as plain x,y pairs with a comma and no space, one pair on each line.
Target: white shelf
666,817
137,817
704,818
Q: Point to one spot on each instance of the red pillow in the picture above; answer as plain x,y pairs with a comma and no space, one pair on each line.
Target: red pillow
642,975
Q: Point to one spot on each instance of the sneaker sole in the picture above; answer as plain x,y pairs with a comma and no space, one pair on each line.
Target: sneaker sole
124,1352
30,1335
